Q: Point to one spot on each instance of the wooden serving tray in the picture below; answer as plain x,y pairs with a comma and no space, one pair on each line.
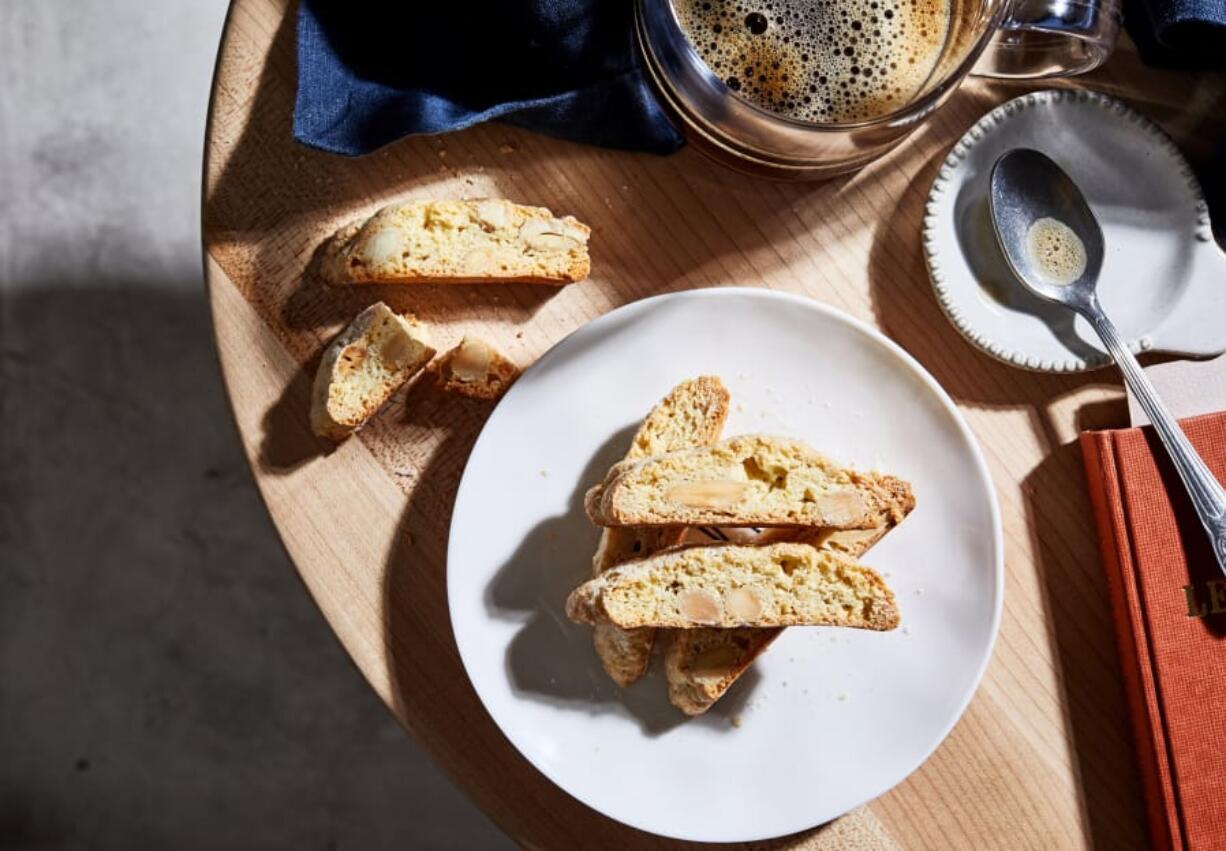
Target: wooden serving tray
1043,756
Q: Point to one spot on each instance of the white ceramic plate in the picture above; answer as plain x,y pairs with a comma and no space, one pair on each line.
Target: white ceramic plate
1162,280
828,718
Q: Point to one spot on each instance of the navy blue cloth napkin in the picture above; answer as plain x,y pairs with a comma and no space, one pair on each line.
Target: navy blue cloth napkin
371,71
1187,34
1179,33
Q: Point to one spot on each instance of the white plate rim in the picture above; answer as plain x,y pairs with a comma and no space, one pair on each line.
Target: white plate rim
907,361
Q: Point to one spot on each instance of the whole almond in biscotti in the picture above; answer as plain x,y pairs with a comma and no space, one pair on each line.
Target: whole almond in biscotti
475,369
488,239
753,480
689,587
363,366
692,414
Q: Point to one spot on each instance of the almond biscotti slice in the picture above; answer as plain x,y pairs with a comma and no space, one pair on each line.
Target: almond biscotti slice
363,366
475,369
702,664
691,415
730,585
753,480
490,239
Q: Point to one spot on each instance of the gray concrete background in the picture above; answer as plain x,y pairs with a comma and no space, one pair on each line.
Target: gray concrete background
165,682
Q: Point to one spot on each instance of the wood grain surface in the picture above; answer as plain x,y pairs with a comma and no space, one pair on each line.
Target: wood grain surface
1043,756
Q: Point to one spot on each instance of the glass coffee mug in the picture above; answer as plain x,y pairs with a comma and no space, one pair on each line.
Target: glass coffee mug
1021,39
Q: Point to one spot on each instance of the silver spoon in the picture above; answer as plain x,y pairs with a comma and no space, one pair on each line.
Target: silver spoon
1054,245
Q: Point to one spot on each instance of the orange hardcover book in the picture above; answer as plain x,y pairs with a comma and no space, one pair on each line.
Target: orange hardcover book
1169,601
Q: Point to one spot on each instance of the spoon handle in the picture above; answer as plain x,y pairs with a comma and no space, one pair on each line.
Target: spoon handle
1208,498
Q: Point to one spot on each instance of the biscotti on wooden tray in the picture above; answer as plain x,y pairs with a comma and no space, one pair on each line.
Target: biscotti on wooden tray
363,366
475,369
378,353
455,242
781,528
442,241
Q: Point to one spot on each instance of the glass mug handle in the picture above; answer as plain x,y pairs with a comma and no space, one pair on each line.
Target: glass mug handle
1051,38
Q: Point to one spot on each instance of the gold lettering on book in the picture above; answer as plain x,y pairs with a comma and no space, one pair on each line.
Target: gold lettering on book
1197,608
1217,596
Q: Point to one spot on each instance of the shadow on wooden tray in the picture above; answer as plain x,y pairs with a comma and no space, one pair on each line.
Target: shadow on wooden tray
288,441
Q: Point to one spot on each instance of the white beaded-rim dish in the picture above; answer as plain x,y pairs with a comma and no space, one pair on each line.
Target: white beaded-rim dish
1163,280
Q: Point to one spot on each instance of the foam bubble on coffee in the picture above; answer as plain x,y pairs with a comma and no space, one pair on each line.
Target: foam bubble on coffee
1056,251
823,61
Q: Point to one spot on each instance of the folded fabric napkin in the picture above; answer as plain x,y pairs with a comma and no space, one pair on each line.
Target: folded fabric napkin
1178,32
371,72
1169,603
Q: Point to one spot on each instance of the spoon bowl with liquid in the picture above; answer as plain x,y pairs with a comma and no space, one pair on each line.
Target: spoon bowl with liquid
1054,245
1046,231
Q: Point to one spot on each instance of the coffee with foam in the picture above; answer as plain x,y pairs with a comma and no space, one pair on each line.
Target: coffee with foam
821,61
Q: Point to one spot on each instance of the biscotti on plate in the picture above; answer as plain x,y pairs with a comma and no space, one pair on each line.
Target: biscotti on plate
702,664
691,415
724,544
490,239
730,585
753,480
363,366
